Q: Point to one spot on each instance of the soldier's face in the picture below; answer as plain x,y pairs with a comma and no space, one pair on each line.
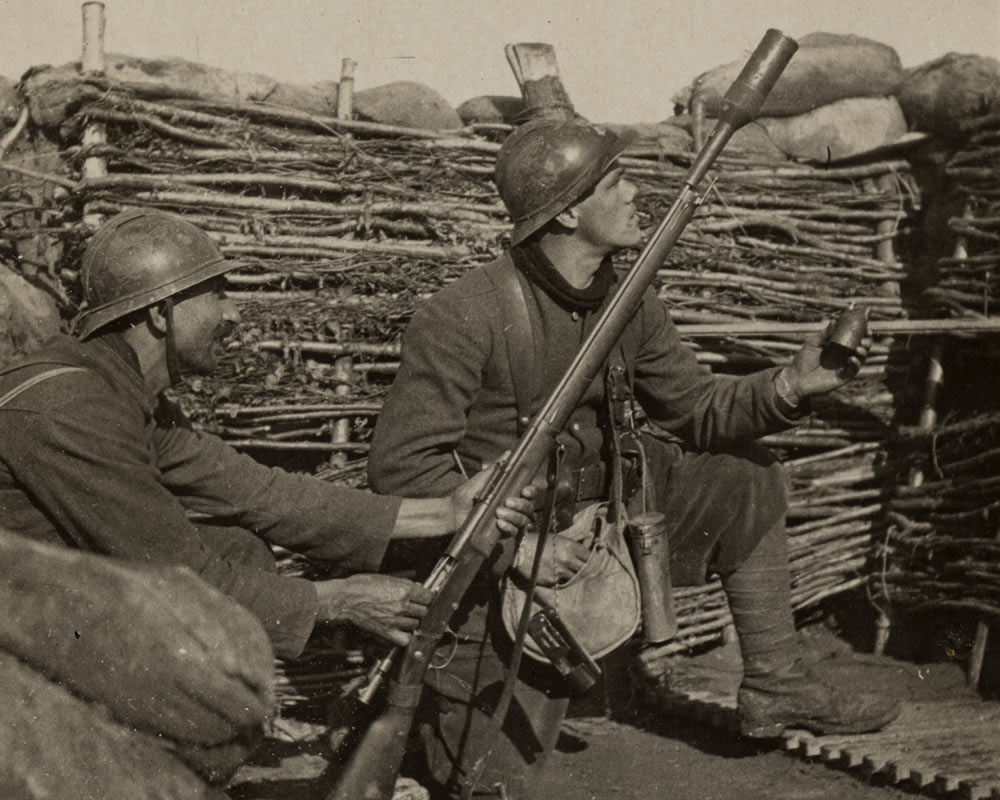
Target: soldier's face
203,318
607,217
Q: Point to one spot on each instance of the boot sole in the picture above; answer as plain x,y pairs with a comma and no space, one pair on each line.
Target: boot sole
775,729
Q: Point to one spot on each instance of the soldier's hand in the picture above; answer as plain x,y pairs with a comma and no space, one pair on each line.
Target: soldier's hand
561,560
817,371
513,515
384,605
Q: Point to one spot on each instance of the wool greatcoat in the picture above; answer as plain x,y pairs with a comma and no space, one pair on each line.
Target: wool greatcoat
92,459
454,401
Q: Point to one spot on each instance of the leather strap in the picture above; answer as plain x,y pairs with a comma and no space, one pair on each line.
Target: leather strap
510,286
36,379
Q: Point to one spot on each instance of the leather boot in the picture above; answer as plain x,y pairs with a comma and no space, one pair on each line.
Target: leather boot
778,690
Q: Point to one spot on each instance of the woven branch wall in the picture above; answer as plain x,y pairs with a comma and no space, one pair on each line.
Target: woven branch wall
345,227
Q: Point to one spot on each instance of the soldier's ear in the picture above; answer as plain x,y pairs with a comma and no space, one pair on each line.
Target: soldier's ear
156,318
569,218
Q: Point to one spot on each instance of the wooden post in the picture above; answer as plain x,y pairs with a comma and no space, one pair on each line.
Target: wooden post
886,253
345,91
92,63
343,367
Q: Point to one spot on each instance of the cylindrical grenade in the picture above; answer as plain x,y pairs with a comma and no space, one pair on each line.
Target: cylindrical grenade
647,534
848,331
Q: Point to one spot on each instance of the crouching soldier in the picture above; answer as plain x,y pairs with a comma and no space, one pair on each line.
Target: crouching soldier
94,456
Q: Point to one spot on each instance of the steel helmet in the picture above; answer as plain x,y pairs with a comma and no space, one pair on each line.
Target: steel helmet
547,163
138,258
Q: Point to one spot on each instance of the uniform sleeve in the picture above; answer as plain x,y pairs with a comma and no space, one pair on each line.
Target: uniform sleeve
347,527
684,398
445,348
90,462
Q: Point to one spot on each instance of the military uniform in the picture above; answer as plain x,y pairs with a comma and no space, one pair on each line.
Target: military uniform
454,402
90,458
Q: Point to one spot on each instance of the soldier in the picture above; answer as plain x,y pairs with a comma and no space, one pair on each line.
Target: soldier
93,455
469,380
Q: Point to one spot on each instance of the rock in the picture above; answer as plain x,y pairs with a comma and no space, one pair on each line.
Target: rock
938,96
491,108
839,129
408,104
827,67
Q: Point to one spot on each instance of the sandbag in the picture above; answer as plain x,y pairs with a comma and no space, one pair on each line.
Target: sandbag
408,104
491,108
28,315
839,129
751,139
188,77
827,67
54,93
317,98
937,96
10,103
157,646
54,745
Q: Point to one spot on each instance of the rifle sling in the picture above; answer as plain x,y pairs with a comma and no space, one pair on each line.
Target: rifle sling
511,287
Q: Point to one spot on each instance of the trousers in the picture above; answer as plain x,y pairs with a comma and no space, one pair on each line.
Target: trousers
718,506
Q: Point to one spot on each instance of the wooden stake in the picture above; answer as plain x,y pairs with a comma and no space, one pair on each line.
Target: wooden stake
345,92
92,63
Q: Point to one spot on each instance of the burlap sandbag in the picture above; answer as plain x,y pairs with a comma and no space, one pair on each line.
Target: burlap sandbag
939,95
317,98
408,104
491,108
827,67
10,104
751,139
839,129
158,647
189,77
54,745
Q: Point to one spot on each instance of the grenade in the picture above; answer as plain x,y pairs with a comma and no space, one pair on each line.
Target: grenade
848,331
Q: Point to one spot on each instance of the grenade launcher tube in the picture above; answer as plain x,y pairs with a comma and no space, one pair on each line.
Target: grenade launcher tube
372,770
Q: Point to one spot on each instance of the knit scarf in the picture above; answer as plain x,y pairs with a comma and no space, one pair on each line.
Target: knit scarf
530,259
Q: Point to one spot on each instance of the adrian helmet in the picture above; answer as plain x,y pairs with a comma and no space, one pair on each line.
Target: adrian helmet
138,258
548,163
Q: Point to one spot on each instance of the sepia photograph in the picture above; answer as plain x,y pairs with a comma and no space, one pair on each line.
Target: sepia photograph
452,399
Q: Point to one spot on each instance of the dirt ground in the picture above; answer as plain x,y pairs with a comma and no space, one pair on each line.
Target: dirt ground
632,747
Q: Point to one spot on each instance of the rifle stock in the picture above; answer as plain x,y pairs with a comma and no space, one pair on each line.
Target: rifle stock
372,770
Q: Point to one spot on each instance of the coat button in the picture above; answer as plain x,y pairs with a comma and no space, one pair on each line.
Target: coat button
576,316
523,421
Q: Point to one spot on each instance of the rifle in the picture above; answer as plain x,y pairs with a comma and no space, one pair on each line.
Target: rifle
374,765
